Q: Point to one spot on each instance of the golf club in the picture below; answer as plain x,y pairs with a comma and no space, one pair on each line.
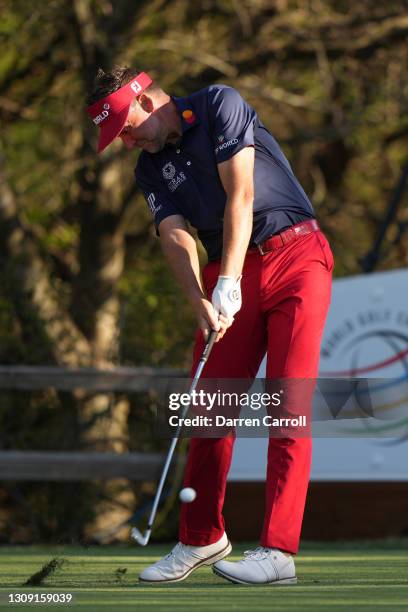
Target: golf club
143,538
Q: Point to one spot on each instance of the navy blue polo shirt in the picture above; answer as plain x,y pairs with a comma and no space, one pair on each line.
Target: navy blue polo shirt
183,179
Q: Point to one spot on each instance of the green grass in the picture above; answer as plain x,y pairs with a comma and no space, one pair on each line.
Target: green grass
341,576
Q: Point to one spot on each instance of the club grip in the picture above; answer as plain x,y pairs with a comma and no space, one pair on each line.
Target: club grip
209,344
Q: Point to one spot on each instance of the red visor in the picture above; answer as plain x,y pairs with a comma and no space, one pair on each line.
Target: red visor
110,113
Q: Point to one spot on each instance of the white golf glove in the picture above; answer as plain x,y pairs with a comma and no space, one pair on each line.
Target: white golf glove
226,297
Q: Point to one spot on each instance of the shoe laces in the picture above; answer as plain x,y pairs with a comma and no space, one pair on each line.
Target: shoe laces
258,554
174,551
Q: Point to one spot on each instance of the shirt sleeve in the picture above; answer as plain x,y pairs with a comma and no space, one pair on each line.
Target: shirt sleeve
157,200
231,122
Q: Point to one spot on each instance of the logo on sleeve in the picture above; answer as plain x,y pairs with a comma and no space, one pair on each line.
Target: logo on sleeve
225,145
169,173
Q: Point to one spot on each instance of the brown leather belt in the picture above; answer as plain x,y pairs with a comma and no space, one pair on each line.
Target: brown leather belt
289,235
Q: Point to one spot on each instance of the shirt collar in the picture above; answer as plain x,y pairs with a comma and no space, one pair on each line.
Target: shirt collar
188,117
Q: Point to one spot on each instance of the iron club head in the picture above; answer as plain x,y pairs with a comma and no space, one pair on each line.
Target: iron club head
140,538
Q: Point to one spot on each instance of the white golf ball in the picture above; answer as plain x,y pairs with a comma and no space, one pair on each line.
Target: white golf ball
187,495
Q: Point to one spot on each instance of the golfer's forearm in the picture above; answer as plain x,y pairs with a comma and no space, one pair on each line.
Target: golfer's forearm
238,219
181,253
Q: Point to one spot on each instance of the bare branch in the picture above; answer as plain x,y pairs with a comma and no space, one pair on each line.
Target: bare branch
361,42
207,59
277,94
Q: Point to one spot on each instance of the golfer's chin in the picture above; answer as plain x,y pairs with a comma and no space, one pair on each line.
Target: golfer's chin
153,147
174,138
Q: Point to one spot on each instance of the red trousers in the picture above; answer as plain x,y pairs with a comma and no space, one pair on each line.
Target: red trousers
285,299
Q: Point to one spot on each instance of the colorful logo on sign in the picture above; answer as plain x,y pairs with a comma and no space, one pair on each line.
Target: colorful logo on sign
188,116
370,347
355,341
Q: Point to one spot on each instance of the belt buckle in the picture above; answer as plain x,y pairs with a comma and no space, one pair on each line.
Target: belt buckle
261,250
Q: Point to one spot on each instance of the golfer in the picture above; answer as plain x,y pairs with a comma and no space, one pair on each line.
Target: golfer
208,161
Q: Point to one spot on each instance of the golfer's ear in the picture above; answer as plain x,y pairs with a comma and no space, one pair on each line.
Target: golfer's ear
146,103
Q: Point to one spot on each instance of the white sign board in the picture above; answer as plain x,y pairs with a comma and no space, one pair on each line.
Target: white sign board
366,336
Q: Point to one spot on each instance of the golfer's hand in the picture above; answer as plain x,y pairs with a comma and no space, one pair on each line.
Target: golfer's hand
207,319
226,297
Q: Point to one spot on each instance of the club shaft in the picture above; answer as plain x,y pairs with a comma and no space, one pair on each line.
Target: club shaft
207,350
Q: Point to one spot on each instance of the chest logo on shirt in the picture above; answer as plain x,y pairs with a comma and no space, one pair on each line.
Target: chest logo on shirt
169,173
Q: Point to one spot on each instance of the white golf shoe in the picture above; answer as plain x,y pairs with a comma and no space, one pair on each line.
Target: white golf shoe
183,560
259,566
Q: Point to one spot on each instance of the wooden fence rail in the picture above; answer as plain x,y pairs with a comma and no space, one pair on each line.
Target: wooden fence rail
91,379
77,466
